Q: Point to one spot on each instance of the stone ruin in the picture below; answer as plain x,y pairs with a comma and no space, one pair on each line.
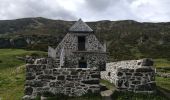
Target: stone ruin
76,65
131,75
73,68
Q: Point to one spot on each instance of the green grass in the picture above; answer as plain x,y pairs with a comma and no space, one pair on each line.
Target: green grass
163,82
138,96
8,57
161,63
12,73
108,84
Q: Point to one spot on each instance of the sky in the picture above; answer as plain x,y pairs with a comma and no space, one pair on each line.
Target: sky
88,10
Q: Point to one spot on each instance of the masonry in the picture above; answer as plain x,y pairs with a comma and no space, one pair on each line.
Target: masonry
131,75
72,68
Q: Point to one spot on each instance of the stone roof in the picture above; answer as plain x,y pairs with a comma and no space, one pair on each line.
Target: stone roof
80,26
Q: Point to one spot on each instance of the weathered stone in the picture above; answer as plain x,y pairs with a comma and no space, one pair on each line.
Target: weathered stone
60,77
74,73
44,77
135,82
138,74
119,74
128,73
119,83
27,97
126,84
91,82
30,76
28,90
95,76
131,70
36,84
144,70
147,62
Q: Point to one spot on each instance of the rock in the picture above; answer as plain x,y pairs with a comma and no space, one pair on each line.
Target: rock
28,90
95,76
120,82
144,70
138,74
60,77
47,77
30,76
106,95
26,97
147,62
91,82
119,74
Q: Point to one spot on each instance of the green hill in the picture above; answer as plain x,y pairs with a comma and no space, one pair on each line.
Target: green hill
125,39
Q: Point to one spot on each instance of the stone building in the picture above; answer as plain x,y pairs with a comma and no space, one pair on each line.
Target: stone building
73,68
131,75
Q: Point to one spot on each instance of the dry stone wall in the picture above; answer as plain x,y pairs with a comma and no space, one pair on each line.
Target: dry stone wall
131,75
45,76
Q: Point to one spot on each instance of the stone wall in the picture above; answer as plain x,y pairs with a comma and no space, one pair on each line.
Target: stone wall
131,75
46,76
70,43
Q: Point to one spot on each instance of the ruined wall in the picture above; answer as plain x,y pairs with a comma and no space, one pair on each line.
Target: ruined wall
131,75
94,60
46,76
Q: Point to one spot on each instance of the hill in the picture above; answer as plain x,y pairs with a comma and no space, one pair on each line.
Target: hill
125,39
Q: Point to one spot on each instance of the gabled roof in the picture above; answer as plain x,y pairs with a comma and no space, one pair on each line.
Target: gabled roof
80,26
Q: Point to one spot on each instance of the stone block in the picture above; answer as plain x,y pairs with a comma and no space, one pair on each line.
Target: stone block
144,70
91,82
46,77
135,82
95,76
119,74
30,76
147,62
60,77
28,90
138,74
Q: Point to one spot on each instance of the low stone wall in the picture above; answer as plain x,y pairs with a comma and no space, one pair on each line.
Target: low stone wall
69,81
131,75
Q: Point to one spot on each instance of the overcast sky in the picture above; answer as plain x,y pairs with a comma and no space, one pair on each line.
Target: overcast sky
88,10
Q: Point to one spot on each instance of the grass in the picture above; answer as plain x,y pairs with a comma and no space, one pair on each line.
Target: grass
163,82
138,96
8,57
12,73
108,84
162,63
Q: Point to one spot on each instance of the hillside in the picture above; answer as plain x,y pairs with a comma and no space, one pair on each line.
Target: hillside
125,39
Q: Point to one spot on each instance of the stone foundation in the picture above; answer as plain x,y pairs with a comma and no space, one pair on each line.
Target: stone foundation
131,75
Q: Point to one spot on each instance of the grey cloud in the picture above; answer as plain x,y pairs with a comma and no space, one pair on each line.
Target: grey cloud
88,10
33,8
98,5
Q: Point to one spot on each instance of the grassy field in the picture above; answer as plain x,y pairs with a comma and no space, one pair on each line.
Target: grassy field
12,77
12,73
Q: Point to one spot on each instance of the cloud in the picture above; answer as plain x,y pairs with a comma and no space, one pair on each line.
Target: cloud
88,10
12,9
98,5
